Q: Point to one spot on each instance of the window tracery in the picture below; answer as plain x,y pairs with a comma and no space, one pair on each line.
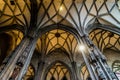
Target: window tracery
116,68
58,72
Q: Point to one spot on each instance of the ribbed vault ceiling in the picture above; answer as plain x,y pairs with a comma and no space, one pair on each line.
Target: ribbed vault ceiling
78,13
57,40
36,15
14,12
105,40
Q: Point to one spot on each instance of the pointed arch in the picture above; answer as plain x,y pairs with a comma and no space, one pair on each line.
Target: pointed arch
56,37
59,71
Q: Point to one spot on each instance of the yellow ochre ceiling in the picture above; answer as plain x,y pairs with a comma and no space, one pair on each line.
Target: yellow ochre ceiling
77,13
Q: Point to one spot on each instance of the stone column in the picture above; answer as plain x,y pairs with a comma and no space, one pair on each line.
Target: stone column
98,61
25,58
10,62
40,69
75,72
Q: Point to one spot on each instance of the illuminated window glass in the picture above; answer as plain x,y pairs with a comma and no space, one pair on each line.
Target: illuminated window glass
58,72
116,68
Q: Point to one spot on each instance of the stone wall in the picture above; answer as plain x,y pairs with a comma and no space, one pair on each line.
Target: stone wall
111,56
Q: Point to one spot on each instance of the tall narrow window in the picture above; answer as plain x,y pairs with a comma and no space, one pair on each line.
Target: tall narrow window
116,68
58,72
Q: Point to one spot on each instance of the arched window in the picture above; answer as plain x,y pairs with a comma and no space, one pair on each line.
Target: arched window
58,72
116,68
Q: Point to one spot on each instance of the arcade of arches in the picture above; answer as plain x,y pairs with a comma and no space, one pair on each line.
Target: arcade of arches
59,39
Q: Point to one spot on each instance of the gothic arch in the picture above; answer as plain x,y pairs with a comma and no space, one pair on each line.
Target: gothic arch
110,28
58,26
14,38
83,72
61,64
73,32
